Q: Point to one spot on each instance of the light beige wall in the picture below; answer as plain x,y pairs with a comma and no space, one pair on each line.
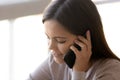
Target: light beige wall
10,11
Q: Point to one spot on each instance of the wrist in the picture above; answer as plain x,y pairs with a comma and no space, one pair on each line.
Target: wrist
76,75
80,69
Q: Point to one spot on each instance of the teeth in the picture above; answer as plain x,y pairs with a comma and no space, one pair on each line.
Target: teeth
51,51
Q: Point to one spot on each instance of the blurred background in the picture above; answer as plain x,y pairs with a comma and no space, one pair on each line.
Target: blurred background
23,44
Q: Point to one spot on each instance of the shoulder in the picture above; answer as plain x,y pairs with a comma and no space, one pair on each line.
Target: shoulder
108,69
109,63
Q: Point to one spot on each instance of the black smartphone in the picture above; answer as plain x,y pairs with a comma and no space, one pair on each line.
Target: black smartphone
70,57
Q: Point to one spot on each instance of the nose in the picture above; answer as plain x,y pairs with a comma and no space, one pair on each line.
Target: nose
51,44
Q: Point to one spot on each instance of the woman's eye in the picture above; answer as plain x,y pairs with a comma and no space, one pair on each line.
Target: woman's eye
61,41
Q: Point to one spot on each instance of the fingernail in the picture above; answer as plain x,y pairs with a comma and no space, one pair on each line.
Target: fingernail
71,47
88,31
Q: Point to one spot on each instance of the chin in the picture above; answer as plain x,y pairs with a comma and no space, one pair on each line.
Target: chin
59,61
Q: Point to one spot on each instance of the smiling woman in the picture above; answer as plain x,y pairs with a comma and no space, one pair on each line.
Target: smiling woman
23,44
79,22
59,39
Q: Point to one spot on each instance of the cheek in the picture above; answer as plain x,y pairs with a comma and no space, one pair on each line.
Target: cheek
64,48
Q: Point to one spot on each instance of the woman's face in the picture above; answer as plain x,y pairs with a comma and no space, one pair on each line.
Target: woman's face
59,39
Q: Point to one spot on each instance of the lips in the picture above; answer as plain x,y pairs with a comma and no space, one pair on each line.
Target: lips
57,54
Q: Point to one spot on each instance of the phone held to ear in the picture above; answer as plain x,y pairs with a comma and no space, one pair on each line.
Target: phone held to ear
70,57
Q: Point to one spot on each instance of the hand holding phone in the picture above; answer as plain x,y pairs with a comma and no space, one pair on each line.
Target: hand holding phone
70,57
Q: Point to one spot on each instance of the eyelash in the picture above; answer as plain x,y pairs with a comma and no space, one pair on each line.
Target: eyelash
61,42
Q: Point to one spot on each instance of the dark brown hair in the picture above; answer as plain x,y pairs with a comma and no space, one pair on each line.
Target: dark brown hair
78,16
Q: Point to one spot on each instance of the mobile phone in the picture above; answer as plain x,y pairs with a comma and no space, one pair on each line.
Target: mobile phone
70,57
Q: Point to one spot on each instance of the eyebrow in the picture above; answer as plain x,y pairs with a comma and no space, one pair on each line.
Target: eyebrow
57,37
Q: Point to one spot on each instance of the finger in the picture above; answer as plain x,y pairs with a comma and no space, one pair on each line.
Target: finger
82,39
81,44
74,49
88,38
88,35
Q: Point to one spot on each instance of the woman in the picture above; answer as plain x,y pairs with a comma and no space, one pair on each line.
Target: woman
69,22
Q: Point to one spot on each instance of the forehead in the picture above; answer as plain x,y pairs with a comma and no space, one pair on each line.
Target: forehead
52,27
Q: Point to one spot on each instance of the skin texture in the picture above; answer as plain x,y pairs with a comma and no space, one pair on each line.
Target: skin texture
60,41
